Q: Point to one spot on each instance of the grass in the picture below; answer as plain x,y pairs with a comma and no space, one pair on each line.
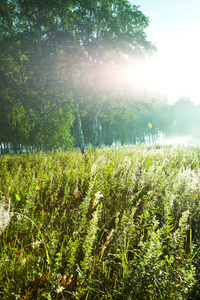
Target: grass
120,223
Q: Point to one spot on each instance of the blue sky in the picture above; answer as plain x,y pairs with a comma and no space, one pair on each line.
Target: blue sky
175,29
167,17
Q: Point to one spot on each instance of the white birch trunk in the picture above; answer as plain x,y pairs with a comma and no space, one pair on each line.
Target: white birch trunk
80,130
95,127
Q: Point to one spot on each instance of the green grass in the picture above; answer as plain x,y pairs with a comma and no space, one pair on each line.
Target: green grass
120,223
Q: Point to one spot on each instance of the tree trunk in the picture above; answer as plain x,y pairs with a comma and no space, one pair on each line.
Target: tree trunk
95,127
110,136
44,125
26,93
80,130
99,133
134,135
14,143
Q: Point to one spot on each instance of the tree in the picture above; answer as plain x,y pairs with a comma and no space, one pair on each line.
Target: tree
112,34
61,60
184,111
31,60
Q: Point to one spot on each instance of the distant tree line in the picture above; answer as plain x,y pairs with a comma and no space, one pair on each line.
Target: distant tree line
61,76
182,119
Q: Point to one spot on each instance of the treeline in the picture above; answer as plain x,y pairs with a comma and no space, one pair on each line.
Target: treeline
163,120
182,119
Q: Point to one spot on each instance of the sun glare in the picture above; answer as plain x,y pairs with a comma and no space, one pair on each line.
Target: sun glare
145,76
172,70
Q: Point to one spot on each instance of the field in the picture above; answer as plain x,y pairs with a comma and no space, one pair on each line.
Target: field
118,223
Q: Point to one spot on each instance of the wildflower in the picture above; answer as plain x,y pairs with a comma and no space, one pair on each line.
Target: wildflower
93,168
23,261
197,260
75,233
63,281
97,196
36,245
127,161
60,289
17,197
38,187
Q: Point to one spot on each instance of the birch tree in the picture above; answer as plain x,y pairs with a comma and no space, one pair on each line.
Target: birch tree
112,34
58,52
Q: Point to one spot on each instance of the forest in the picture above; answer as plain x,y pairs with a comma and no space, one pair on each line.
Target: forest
60,73
63,80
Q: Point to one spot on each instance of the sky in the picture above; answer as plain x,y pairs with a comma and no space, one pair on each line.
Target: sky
175,30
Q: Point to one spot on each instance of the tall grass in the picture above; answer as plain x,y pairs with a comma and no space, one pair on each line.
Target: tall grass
120,223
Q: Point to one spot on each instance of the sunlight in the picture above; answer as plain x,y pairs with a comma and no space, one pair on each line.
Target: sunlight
174,71
146,76
176,141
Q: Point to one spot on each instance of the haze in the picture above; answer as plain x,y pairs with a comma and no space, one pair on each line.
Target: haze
174,28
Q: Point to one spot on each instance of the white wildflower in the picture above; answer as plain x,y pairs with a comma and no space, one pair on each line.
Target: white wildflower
93,168
23,261
127,161
60,289
97,197
36,245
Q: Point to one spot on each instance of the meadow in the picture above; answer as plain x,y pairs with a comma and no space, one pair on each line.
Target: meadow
114,223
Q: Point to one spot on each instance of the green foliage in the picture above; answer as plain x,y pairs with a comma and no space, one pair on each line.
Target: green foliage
118,223
54,53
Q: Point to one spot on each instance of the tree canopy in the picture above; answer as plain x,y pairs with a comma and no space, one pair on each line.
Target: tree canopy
61,69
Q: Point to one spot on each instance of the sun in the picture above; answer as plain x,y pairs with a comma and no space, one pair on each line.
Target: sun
144,77
172,70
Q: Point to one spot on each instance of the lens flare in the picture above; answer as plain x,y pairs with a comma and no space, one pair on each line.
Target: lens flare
17,197
149,125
